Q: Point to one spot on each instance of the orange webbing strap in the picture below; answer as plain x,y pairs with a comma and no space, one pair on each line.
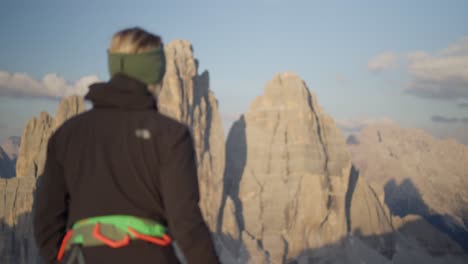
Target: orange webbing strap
64,244
164,241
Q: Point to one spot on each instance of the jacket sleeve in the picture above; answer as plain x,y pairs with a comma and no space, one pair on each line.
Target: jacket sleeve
180,194
50,206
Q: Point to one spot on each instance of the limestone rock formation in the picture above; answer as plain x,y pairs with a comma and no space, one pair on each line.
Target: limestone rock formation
68,108
32,153
287,172
369,219
416,174
292,196
31,158
185,96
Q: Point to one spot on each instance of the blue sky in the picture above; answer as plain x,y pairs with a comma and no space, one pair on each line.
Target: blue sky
330,44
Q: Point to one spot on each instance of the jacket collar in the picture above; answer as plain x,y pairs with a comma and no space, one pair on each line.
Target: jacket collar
121,92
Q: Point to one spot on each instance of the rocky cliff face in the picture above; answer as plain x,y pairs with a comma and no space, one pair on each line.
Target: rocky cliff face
31,158
32,153
185,96
287,174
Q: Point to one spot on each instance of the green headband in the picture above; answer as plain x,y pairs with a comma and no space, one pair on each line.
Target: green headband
148,67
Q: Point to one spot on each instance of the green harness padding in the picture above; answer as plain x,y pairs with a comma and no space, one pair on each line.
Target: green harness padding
114,227
148,67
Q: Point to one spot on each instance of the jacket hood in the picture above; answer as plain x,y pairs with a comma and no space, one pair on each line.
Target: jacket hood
121,92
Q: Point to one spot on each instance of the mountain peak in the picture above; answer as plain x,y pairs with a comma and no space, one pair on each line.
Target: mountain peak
285,91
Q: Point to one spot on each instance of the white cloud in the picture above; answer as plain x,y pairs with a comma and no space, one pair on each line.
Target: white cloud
383,61
417,55
442,75
51,85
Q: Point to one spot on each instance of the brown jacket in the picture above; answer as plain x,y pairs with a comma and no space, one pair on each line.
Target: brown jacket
122,157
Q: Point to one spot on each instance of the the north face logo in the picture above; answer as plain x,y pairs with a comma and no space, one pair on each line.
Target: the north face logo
143,133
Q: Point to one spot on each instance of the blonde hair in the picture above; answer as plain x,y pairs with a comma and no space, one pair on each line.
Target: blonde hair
133,41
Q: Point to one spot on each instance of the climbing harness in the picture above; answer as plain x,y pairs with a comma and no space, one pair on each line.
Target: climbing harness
114,231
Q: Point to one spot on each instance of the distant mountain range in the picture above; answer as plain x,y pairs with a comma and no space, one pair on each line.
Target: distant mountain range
416,174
